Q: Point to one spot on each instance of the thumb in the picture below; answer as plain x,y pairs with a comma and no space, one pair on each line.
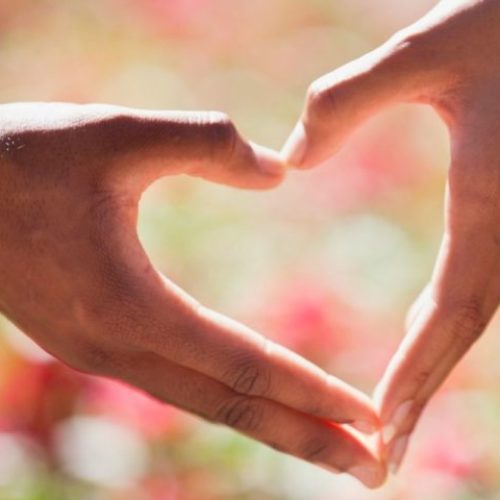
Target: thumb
339,101
142,146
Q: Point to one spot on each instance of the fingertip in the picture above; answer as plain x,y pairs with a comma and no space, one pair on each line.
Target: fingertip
372,473
366,426
367,420
294,150
371,476
366,464
308,147
354,405
269,161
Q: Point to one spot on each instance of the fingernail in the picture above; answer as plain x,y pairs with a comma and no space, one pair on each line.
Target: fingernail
397,453
294,149
388,432
398,418
364,426
369,476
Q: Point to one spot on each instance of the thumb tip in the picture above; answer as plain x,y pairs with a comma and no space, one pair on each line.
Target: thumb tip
269,162
294,150
306,148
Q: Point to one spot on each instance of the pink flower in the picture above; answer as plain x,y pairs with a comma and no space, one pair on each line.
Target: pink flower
127,404
169,16
449,449
308,317
36,396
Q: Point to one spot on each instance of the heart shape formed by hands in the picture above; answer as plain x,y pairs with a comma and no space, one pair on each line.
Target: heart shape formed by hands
77,280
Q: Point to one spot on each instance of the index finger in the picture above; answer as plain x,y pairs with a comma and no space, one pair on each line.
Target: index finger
452,314
250,364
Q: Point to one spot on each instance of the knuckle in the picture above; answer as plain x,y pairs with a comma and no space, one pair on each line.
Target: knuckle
117,121
313,448
404,43
222,134
408,42
411,51
250,376
322,100
113,128
241,413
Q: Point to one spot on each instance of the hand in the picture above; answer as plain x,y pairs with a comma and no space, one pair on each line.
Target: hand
75,278
448,59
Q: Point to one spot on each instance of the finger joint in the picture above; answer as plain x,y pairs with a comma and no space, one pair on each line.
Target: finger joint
314,448
322,101
241,413
250,376
222,135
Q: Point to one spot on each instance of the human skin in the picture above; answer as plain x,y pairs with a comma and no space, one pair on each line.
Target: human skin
449,60
76,279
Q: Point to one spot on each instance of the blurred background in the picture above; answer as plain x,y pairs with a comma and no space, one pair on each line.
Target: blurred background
327,264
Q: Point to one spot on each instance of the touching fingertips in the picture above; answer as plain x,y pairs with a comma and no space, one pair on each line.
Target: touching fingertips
365,427
294,150
271,167
269,162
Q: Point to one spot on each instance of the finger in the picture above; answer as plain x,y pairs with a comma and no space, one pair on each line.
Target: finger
444,329
250,364
286,430
162,318
437,340
147,145
416,307
336,103
463,296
